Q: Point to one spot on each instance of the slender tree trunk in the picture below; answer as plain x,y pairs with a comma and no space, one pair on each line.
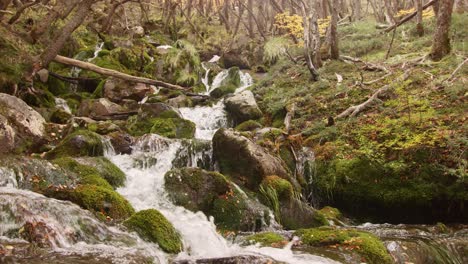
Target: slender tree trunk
419,18
356,7
441,42
334,47
389,14
251,18
65,32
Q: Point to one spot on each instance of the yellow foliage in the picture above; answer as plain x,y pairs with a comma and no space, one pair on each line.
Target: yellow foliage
292,23
428,13
323,24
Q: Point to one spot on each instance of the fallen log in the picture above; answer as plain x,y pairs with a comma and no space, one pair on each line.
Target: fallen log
108,72
408,17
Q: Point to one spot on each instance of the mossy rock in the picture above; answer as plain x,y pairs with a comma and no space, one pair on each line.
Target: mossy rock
43,98
368,246
195,189
60,116
393,192
86,174
229,84
266,239
103,201
100,166
283,187
78,144
167,127
249,125
153,226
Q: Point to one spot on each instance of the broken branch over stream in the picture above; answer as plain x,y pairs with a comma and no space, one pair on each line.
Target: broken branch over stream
108,72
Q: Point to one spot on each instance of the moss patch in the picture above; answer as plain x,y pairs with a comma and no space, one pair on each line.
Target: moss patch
266,239
78,144
87,174
153,226
167,127
283,188
249,125
368,246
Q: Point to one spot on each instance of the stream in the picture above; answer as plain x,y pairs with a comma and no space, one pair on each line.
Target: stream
74,235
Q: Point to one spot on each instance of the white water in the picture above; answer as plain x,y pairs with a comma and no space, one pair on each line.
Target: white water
153,156
62,104
68,229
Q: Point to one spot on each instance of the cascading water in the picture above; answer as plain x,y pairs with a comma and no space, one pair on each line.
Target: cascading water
153,156
75,71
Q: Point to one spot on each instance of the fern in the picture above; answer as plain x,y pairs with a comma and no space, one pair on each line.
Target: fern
275,49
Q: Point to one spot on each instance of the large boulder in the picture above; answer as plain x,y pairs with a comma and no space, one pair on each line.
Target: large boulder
117,90
243,107
99,108
243,160
213,194
20,126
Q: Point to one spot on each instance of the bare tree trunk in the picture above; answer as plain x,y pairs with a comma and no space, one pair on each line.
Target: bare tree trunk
251,18
441,42
389,14
419,18
334,47
65,32
3,6
356,7
311,40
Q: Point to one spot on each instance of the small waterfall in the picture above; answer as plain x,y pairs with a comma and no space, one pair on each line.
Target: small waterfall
75,71
208,119
62,104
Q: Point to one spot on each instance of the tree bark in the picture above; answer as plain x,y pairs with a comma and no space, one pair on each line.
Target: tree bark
419,18
107,72
334,47
441,42
65,32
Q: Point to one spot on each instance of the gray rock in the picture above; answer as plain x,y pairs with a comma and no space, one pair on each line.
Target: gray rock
7,136
244,160
243,107
117,90
20,121
99,107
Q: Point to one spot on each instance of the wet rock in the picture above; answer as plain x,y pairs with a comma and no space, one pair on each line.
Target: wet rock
297,214
245,161
103,127
155,110
213,194
138,32
99,108
232,260
117,90
33,173
22,123
122,142
243,107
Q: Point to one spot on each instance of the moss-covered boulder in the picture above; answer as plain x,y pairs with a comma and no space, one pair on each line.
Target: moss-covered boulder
245,161
99,108
368,246
392,192
249,125
103,201
282,187
85,174
213,194
167,127
195,189
78,144
266,239
242,107
229,84
95,166
153,226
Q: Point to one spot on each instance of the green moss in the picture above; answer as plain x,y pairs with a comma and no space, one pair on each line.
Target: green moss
101,200
283,187
111,173
87,174
57,87
367,245
127,58
78,144
228,211
99,92
153,226
60,116
229,84
167,127
42,98
249,125
266,239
